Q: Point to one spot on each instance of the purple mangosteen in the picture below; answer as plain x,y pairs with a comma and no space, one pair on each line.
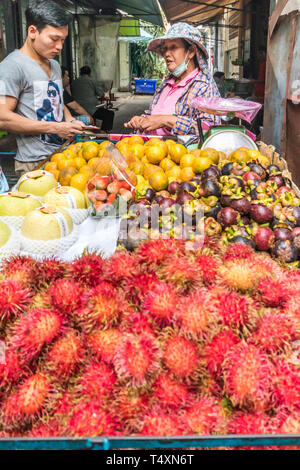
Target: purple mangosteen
228,216
261,214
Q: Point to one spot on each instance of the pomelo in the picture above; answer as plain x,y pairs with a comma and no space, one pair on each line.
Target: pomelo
66,196
16,204
37,182
47,223
5,234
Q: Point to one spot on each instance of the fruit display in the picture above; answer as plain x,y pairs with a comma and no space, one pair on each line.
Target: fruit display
164,341
65,196
37,182
47,223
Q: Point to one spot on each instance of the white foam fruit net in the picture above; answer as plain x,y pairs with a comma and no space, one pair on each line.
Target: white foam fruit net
77,215
12,247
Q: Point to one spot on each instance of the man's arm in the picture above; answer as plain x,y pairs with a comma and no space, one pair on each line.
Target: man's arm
79,109
12,122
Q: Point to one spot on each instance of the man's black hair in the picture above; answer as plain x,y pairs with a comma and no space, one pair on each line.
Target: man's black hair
219,74
41,13
85,70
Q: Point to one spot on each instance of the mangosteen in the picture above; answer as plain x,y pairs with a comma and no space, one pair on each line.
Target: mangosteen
184,197
296,238
158,198
238,170
258,169
278,178
141,202
296,232
285,251
166,203
226,170
210,187
273,169
174,187
163,193
150,194
237,182
261,214
225,200
214,211
296,214
254,194
228,216
187,186
251,176
243,240
196,180
283,190
245,220
211,227
263,238
134,238
283,233
242,205
212,172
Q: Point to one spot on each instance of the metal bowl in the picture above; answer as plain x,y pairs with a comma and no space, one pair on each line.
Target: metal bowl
228,141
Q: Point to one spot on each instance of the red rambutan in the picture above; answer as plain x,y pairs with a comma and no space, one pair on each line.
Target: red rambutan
251,423
129,404
181,356
27,402
287,385
208,266
137,322
11,369
276,332
48,271
272,293
160,423
181,272
161,303
169,393
14,299
137,287
138,359
248,375
20,269
242,275
104,343
64,356
32,331
238,251
90,420
87,270
96,382
153,253
120,266
66,296
292,423
50,427
205,416
215,351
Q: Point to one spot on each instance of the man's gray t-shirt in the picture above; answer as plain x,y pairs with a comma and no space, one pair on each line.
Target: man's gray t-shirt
40,98
85,91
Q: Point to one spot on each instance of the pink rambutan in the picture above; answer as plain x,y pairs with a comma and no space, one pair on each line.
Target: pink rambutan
292,423
137,360
161,303
205,416
129,404
251,423
181,272
137,322
208,266
96,382
14,299
104,343
160,423
28,401
34,330
120,266
48,271
137,287
215,351
242,275
237,311
64,356
66,296
20,269
169,393
276,332
195,316
238,251
287,385
272,293
50,427
12,369
90,420
248,375
153,253
181,356
87,270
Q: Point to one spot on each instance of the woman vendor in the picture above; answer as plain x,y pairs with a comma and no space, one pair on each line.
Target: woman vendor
170,111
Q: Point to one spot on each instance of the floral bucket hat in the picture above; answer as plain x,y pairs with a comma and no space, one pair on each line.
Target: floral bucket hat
181,31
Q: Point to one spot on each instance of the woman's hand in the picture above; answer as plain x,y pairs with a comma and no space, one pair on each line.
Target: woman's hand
134,123
151,123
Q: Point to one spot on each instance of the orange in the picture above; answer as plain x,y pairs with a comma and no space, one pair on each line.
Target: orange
104,167
79,162
170,142
159,180
144,160
131,160
63,163
176,152
222,156
88,143
212,154
241,155
166,164
79,181
156,153
136,139
187,160
69,153
87,169
72,147
156,141
102,153
89,152
78,145
138,168
138,150
104,144
124,150
150,169
187,173
201,163
79,153
65,176
122,142
174,172
58,156
131,176
196,152
254,154
93,163
51,166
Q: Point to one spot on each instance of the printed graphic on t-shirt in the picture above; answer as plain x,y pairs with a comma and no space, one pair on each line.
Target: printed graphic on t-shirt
49,105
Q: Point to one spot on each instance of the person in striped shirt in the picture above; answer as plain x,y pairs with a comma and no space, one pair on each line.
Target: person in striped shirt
170,112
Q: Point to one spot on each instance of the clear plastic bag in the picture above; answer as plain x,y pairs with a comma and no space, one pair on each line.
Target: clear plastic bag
234,107
3,182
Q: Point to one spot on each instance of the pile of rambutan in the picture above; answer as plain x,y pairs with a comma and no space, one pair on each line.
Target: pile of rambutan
166,340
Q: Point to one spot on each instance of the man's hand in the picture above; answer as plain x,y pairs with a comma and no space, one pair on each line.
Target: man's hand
134,123
65,130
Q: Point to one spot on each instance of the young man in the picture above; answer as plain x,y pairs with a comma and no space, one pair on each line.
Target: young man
75,109
31,91
86,92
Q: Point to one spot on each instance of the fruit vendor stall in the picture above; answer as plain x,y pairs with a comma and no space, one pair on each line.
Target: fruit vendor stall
150,298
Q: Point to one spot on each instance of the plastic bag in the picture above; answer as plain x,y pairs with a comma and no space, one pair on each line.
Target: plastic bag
3,182
234,107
